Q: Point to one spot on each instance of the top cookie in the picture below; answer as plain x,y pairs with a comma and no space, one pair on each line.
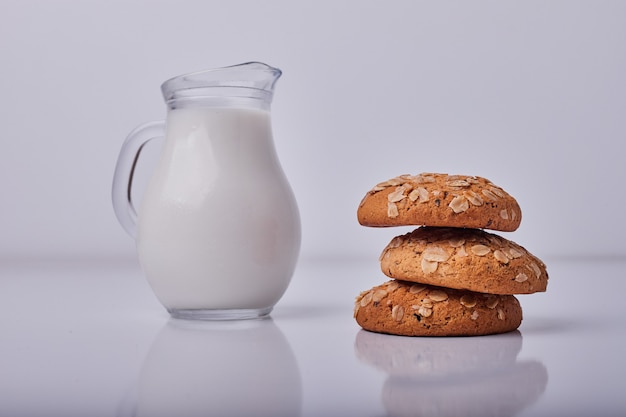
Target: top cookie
440,200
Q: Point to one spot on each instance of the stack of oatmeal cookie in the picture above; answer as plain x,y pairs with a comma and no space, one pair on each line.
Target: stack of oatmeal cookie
449,276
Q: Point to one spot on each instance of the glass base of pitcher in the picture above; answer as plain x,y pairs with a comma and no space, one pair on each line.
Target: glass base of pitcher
220,314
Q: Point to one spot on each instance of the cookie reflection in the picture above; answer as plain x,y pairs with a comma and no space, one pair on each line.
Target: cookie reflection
219,369
460,376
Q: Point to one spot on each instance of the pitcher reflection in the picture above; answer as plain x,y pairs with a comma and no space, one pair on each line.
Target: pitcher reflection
219,369
458,376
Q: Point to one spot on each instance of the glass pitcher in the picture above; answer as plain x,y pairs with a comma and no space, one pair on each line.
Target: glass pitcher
218,229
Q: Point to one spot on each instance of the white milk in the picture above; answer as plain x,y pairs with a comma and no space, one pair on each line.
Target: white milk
218,226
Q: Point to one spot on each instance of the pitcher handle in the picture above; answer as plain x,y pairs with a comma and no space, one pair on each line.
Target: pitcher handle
125,169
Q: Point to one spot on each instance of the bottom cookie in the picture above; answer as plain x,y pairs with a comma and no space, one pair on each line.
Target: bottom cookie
409,309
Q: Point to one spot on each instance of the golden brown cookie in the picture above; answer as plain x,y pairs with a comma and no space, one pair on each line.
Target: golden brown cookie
440,200
409,309
466,259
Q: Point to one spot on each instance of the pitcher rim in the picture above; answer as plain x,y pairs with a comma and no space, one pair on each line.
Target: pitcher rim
265,80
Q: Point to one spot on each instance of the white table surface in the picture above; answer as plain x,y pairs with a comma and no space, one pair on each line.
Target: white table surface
88,338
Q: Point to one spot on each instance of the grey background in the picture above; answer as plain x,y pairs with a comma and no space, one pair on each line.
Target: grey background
529,94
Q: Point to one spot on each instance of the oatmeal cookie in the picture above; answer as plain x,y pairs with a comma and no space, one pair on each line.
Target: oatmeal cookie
440,200
466,259
409,309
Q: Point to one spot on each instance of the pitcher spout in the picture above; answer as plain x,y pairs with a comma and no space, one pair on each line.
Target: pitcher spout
250,80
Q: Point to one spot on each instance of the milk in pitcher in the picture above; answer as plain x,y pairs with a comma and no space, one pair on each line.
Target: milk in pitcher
218,227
